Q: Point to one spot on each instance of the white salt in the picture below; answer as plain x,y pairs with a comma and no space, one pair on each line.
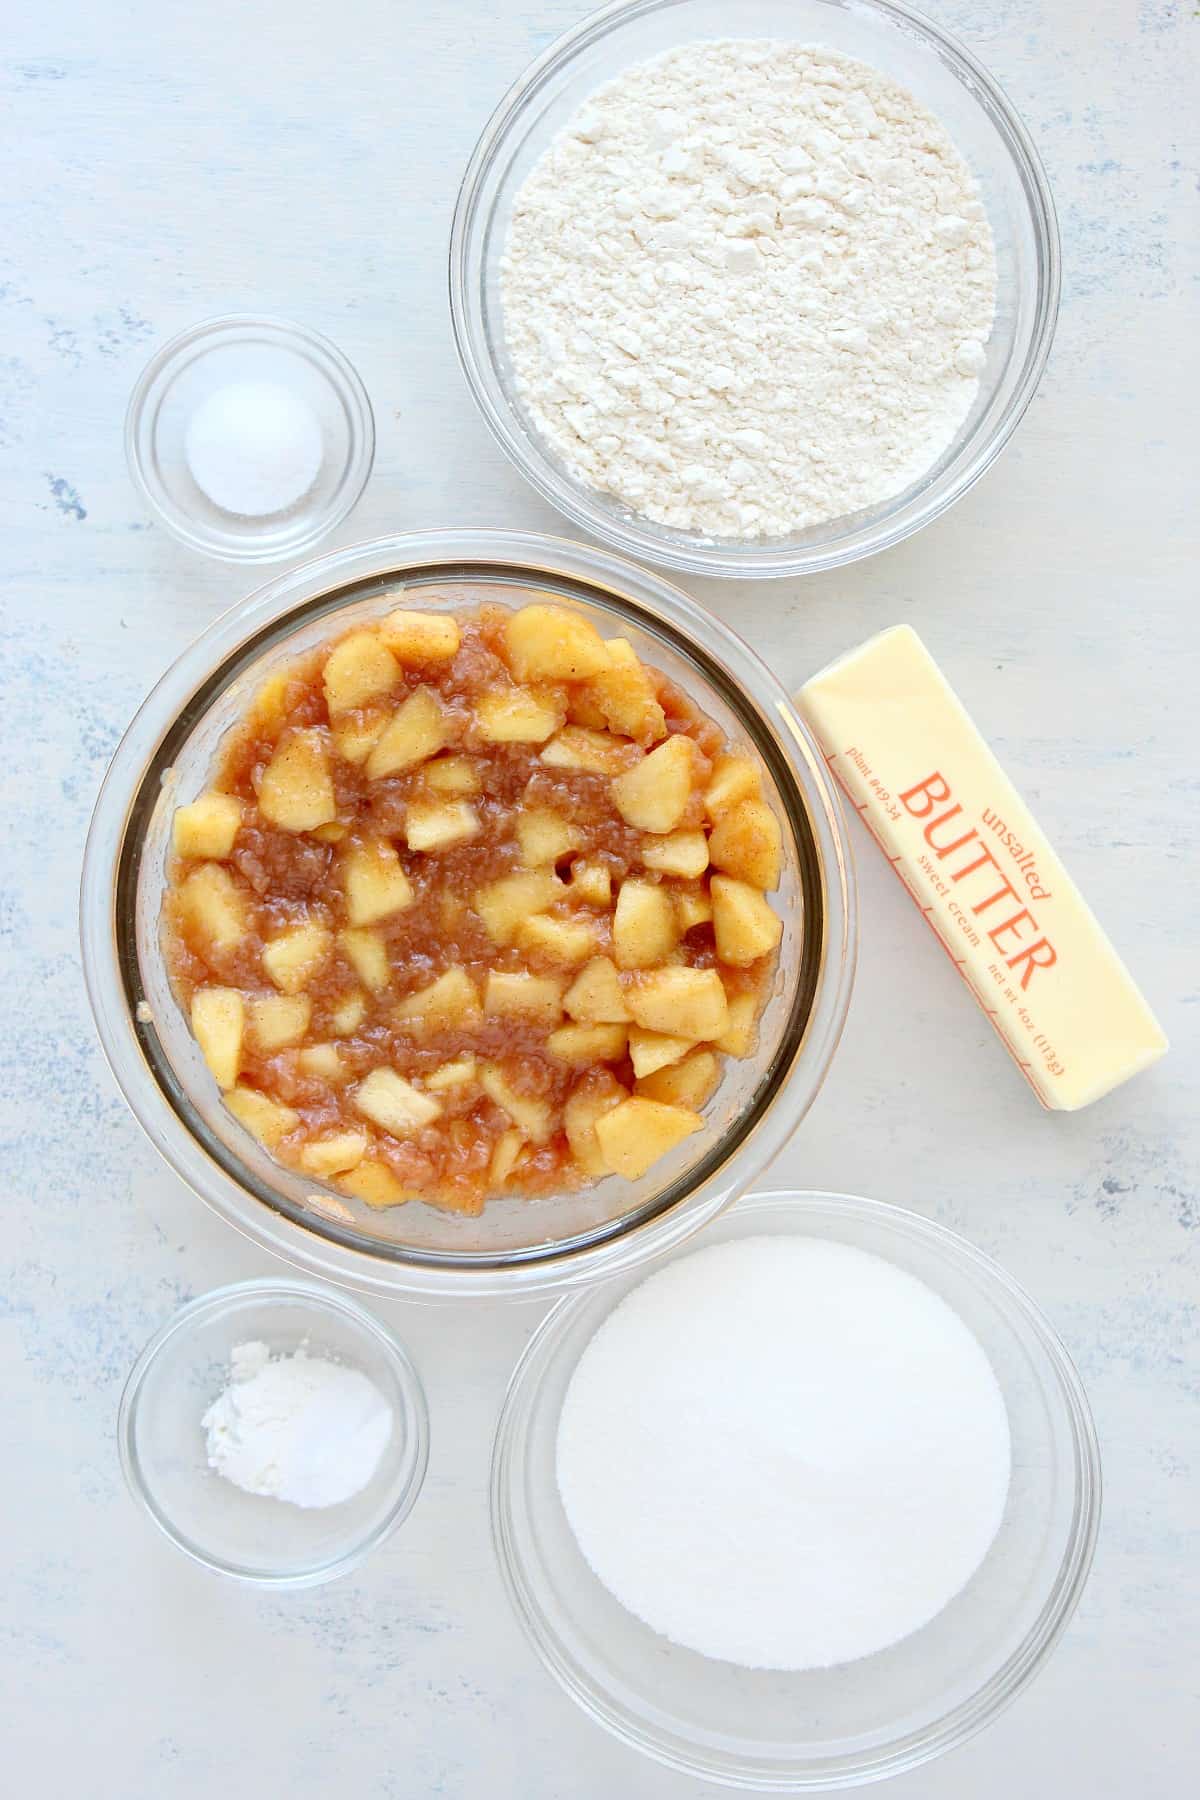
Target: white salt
254,447
784,1453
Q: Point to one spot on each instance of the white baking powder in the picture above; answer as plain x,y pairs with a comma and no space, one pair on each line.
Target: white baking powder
254,448
784,1453
297,1428
748,289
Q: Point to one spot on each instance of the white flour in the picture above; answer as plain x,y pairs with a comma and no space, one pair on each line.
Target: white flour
296,1428
784,1453
748,289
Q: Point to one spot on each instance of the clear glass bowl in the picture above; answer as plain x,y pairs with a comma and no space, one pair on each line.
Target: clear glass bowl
517,1246
183,1369
828,1728
944,76
237,348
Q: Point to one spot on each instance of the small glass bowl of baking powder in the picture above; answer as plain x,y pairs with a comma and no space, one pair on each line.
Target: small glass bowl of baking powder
253,1537
249,438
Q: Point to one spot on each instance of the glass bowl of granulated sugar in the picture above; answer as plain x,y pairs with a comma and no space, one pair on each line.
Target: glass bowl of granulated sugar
803,1507
754,306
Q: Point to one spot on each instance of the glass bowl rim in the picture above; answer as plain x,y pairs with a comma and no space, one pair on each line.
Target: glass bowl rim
342,375
635,535
313,1244
215,1303
971,1715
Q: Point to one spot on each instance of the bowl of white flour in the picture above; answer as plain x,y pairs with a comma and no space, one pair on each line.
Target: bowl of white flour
754,305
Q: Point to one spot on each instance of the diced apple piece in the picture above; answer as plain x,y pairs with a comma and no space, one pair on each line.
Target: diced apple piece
544,837
583,708
359,669
516,716
654,795
690,1083
218,1023
278,1020
625,696
529,1115
743,923
264,1119
591,882
421,637
293,958
746,842
509,1146
451,1075
334,1155
208,827
651,1050
432,825
211,902
634,1135
596,997
366,952
373,1183
645,929
686,1002
355,738
417,730
534,997
588,1043
452,775
596,1095
376,886
268,709
321,1062
394,1104
565,941
504,904
740,1035
692,909
683,853
333,833
349,1014
597,752
450,1000
296,791
734,779
549,643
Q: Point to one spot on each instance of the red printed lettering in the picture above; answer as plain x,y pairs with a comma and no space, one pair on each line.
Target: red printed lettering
926,790
1032,960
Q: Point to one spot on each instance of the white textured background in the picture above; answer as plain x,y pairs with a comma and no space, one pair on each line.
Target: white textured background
161,162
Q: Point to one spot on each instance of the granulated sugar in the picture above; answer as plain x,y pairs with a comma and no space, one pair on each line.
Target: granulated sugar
784,1453
747,289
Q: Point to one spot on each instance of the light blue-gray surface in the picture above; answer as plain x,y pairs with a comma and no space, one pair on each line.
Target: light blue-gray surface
165,162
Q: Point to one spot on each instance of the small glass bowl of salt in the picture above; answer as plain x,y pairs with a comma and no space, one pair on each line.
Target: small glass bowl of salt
250,438
275,1432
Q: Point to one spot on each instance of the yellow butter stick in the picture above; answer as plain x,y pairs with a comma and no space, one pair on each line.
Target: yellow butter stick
974,859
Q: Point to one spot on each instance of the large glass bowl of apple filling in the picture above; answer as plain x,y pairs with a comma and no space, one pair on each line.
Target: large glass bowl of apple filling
468,912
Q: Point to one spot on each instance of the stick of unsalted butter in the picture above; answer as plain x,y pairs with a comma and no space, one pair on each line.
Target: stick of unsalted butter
973,858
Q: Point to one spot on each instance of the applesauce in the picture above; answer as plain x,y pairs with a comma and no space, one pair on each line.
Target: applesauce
476,904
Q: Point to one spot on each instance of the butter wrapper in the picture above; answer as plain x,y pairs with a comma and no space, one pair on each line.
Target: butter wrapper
980,869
